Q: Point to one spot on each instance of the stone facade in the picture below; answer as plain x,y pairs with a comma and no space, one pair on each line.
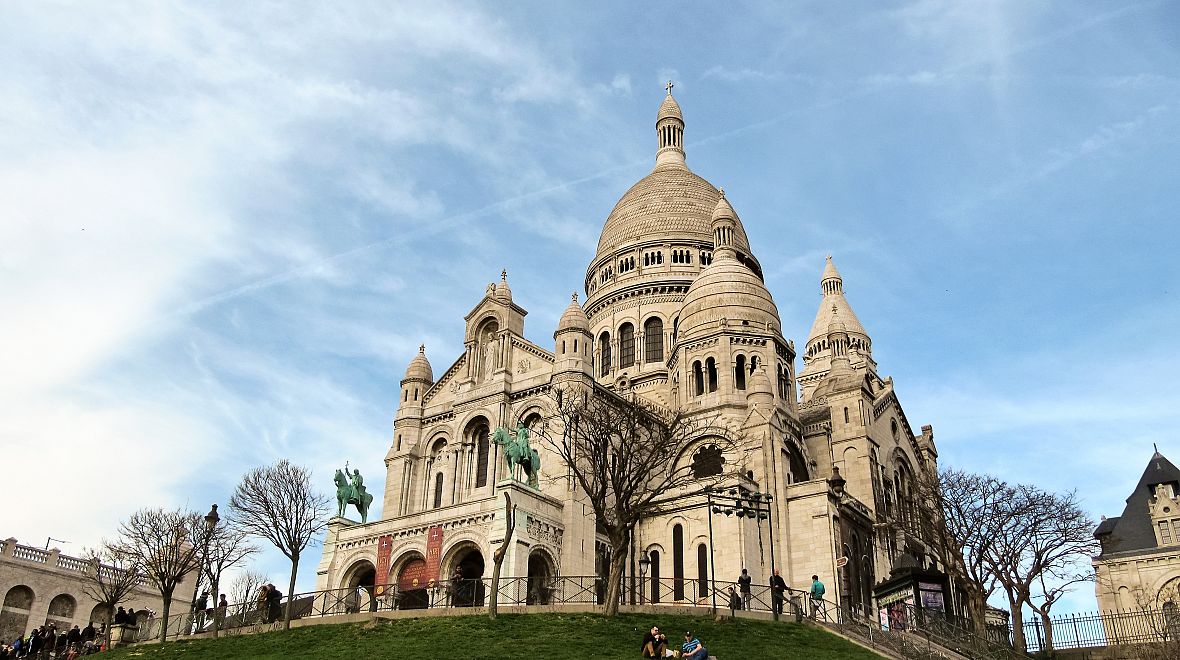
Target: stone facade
676,311
1139,565
45,586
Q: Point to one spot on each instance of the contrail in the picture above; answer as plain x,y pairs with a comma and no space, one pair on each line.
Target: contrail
451,221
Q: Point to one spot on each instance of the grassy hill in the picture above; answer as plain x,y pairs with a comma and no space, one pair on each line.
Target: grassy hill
512,636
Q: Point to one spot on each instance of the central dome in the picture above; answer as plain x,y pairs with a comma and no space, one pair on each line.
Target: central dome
671,203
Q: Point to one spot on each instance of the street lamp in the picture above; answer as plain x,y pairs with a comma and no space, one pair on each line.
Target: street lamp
644,564
211,520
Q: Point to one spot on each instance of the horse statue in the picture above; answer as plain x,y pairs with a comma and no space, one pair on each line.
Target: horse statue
517,452
352,493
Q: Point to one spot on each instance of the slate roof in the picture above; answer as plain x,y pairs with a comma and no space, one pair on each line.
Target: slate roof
1133,530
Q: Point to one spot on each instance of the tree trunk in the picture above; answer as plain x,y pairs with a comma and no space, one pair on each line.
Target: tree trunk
498,555
1048,623
618,561
1018,643
977,609
164,615
290,592
110,622
216,599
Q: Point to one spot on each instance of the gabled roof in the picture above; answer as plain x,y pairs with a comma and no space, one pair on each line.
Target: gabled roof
1133,530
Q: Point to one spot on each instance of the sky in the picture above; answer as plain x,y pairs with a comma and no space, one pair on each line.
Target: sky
225,228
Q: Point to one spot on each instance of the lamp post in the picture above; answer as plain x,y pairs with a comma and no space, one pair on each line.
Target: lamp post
644,563
744,504
211,520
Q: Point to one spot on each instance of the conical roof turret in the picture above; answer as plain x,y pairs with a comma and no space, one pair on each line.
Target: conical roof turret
834,307
573,318
503,293
419,368
670,130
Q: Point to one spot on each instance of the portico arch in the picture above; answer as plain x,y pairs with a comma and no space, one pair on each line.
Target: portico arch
410,570
541,571
464,565
14,615
358,585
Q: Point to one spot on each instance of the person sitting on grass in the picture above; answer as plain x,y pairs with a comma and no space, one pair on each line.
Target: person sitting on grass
655,644
692,649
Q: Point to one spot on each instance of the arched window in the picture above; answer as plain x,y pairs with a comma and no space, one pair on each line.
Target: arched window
675,328
796,466
707,462
698,378
655,576
739,373
604,354
399,442
703,568
438,484
678,562
626,345
483,453
653,340
711,368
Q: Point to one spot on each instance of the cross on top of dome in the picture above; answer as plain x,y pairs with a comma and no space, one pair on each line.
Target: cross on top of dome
669,87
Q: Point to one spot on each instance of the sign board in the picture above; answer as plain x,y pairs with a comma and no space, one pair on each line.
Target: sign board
434,541
412,576
842,562
384,552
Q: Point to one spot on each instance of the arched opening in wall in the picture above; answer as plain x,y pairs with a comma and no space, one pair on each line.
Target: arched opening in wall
698,378
359,585
61,610
466,587
654,555
739,373
678,562
626,345
14,615
604,354
675,328
478,433
849,590
653,340
796,465
412,591
711,373
541,570
707,462
438,490
100,614
703,570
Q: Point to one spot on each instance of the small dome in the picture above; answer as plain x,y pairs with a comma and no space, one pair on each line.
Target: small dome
503,293
727,290
669,109
760,382
723,209
574,317
419,368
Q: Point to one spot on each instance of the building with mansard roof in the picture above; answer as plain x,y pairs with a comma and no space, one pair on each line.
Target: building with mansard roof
677,311
1139,565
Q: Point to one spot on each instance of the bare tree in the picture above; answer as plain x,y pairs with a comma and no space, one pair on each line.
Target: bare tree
625,453
498,555
228,547
114,573
279,504
959,511
163,544
1043,537
243,592
1162,618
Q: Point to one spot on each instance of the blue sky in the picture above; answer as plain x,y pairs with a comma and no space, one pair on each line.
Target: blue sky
226,228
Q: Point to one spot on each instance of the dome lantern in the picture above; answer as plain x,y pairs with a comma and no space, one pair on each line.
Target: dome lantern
670,131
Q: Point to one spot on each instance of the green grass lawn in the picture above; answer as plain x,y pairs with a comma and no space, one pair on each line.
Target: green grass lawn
512,636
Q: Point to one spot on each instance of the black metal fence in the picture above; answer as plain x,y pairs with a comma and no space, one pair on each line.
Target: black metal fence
1111,628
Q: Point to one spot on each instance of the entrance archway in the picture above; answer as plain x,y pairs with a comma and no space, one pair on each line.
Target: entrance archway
14,616
467,588
540,580
359,581
411,583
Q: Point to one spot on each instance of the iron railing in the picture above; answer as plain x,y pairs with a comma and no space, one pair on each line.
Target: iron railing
1111,628
916,635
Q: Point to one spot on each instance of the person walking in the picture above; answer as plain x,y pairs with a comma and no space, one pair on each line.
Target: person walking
817,595
778,591
744,581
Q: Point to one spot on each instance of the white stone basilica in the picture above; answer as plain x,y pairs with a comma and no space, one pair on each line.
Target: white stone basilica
676,311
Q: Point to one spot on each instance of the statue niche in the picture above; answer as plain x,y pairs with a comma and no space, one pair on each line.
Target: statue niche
487,349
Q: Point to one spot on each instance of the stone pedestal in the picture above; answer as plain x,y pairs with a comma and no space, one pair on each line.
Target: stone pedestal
123,634
538,531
